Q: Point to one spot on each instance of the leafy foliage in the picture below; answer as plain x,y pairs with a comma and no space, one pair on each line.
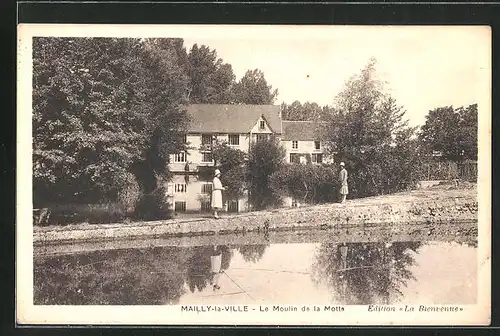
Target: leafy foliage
211,80
264,159
252,88
307,111
232,163
309,183
453,132
99,112
368,131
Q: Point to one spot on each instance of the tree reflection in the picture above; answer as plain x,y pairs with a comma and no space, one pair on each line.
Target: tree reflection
252,253
125,277
199,270
365,273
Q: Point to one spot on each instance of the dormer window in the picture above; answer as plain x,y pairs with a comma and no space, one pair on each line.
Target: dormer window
262,125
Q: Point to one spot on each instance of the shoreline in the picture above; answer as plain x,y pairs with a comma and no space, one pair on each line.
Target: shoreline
431,207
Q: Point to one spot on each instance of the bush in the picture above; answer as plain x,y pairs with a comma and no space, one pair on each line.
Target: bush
129,195
84,213
264,159
232,163
309,183
153,206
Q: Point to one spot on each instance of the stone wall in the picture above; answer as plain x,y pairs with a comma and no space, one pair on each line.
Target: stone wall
429,206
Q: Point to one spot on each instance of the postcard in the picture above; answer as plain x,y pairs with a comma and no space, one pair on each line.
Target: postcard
253,175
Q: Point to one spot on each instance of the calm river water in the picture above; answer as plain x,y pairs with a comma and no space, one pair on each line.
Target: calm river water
305,273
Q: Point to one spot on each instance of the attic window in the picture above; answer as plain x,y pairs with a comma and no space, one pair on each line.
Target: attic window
262,125
295,144
317,145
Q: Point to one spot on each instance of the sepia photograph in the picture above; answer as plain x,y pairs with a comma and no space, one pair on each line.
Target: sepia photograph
253,175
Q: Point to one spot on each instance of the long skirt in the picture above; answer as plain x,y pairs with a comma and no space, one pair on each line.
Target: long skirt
216,199
343,189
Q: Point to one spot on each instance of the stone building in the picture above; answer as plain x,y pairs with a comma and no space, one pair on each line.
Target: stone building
239,126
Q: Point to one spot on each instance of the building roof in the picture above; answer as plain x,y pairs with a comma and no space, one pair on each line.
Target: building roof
217,118
301,130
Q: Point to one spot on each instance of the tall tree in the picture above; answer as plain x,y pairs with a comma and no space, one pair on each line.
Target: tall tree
299,111
453,132
232,163
211,80
252,88
367,129
99,106
264,159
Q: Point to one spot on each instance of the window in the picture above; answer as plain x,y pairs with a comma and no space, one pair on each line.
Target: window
180,206
294,203
262,137
205,206
206,188
295,144
234,139
184,138
294,158
317,158
180,157
262,125
206,139
180,188
232,206
317,145
206,157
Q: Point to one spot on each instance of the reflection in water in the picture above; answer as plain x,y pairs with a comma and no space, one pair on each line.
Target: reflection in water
352,273
365,273
124,277
199,273
252,253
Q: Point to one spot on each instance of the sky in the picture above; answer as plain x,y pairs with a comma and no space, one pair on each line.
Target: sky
422,67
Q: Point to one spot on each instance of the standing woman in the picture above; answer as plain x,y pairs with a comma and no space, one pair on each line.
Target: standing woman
217,194
344,190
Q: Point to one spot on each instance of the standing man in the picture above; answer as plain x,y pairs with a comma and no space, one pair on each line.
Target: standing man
344,190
